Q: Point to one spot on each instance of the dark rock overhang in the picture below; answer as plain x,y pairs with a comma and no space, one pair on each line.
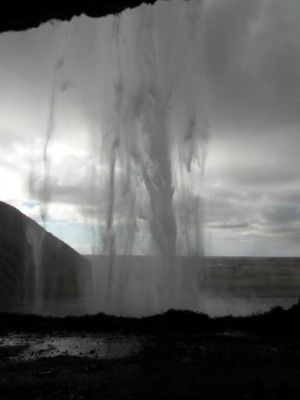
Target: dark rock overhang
17,16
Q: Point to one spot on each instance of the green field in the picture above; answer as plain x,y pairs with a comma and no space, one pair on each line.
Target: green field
251,277
245,277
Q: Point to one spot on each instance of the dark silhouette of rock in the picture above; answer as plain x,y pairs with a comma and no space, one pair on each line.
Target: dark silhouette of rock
16,16
38,272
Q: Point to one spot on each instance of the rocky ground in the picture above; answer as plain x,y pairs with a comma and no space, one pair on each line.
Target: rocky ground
179,355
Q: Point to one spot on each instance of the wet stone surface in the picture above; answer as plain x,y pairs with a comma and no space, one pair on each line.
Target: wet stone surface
178,355
33,347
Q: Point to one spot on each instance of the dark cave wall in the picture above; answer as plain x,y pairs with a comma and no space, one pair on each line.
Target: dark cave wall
16,16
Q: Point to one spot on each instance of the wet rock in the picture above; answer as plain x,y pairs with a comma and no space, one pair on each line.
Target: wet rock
24,15
43,374
90,368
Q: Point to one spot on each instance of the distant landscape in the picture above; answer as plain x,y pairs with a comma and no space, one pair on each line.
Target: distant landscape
234,285
41,274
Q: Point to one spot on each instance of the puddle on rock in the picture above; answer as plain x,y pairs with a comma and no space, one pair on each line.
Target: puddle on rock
232,333
35,347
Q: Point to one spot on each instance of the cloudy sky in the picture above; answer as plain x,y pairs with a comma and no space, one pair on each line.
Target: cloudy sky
250,58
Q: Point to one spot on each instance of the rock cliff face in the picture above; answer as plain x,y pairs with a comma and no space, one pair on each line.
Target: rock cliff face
38,272
15,16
